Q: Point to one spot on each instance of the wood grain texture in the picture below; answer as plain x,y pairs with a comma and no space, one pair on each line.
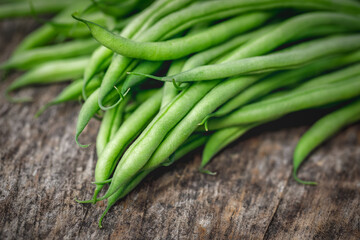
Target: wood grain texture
252,197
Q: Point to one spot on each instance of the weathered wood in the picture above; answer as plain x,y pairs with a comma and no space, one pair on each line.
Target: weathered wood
252,197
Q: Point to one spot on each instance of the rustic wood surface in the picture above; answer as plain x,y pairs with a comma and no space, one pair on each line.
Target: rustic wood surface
252,197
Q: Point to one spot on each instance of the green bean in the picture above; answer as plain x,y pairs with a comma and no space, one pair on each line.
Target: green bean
128,131
219,140
21,9
177,48
300,54
322,130
104,132
144,66
98,58
283,79
34,57
71,93
289,30
169,91
55,71
216,97
141,150
123,191
116,9
309,98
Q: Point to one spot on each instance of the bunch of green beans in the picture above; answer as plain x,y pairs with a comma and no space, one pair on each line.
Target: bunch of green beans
225,67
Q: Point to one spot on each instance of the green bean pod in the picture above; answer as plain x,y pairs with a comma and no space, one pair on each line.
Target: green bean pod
177,48
298,55
322,130
34,57
309,98
51,72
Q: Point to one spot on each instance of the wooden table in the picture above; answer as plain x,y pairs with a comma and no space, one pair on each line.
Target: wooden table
253,196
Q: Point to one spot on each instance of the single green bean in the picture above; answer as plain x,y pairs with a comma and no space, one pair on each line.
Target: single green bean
51,72
177,48
309,98
322,130
34,57
103,136
298,55
119,119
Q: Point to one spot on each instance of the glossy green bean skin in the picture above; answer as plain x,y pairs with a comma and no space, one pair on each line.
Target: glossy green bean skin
51,72
120,117
71,93
212,100
298,55
128,131
284,79
322,130
144,146
292,29
169,91
143,66
309,98
30,58
124,191
177,48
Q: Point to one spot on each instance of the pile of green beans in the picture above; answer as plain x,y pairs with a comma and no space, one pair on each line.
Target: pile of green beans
165,77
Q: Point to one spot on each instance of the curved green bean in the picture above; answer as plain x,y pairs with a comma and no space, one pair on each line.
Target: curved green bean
298,55
177,48
322,130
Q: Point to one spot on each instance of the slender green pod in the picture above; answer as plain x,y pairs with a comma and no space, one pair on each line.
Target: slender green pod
292,29
272,108
30,58
119,119
298,55
322,130
144,146
71,93
180,47
103,136
51,72
212,100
